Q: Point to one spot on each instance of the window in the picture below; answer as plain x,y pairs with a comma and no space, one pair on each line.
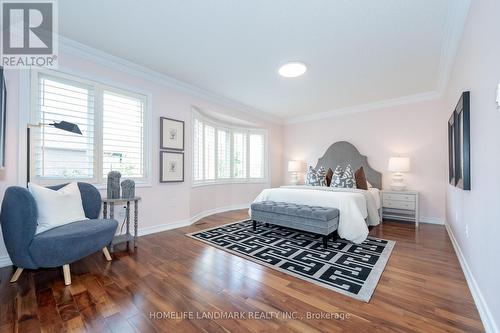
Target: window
222,153
112,122
122,135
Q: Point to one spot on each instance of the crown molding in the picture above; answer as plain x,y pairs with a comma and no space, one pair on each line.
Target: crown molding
71,47
454,26
427,96
458,11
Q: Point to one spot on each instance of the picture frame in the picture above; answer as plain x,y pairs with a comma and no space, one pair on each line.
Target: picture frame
3,118
171,134
462,142
171,167
451,149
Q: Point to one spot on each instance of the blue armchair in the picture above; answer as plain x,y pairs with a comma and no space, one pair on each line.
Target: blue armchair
56,247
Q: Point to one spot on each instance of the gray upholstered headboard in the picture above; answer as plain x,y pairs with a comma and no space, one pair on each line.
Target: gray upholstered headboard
343,153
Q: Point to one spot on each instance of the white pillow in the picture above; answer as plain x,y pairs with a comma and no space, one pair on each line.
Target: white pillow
57,208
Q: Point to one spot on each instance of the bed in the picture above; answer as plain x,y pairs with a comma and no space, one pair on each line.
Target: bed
358,208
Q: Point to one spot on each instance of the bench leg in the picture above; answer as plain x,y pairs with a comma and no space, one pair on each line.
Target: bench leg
267,225
335,235
254,223
325,241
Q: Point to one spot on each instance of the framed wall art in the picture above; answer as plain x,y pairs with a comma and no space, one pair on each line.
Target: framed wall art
171,166
451,149
171,134
3,119
462,142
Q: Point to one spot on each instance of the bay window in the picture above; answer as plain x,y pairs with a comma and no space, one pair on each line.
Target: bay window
223,153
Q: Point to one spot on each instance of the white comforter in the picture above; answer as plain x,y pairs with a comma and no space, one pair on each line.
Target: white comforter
354,205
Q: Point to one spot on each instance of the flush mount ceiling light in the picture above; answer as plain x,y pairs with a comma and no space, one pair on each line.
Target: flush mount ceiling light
292,69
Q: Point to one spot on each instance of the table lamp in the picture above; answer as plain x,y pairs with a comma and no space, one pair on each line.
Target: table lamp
294,167
398,165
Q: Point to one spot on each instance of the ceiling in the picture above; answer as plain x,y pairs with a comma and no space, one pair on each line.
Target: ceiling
357,51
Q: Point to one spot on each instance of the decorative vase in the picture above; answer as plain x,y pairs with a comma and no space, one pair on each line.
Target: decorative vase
128,189
114,185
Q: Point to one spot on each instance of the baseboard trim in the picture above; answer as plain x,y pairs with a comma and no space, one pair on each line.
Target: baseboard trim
5,260
189,221
484,312
432,220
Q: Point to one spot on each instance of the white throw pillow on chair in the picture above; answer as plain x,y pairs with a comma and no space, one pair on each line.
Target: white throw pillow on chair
57,208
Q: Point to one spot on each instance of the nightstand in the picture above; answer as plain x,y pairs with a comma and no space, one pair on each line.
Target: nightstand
400,205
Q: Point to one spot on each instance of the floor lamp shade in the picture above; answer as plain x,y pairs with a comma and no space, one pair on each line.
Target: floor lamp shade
67,126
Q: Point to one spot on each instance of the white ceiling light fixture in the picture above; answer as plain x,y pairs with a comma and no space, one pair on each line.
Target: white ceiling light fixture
292,69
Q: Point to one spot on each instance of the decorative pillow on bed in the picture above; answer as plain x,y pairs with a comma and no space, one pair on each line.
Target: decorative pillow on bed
329,175
316,177
360,177
337,177
343,178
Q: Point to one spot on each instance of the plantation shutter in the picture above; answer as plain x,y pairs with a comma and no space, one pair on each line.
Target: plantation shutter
239,155
198,150
209,152
223,154
256,149
123,133
59,154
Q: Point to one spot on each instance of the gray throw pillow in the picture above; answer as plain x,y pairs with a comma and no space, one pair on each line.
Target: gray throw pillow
316,177
343,178
337,177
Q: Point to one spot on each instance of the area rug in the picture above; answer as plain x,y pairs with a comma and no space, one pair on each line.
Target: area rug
350,269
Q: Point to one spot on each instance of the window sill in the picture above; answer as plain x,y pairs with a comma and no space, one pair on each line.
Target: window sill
100,186
143,184
234,182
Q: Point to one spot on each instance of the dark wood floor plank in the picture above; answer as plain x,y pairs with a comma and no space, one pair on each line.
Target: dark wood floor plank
170,277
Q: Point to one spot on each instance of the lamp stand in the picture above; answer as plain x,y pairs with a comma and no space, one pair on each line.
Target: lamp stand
294,178
398,182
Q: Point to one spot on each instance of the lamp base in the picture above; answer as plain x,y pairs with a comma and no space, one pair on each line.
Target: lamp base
294,178
398,183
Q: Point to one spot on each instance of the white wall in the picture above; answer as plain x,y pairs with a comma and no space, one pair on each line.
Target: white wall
416,130
477,68
162,204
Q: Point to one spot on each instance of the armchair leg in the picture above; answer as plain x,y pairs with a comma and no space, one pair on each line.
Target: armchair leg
67,275
16,275
106,253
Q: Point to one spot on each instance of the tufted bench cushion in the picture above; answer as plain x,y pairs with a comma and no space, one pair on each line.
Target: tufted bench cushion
315,219
310,212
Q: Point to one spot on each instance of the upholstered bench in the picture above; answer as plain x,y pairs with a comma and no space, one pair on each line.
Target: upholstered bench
319,220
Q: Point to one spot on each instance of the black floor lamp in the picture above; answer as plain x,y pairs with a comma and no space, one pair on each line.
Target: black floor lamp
62,125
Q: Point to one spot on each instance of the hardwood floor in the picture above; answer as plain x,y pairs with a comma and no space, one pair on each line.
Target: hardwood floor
421,290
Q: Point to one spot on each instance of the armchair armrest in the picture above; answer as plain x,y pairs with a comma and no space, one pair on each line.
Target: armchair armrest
18,218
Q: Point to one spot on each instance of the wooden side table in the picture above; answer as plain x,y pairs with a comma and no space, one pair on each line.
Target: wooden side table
127,237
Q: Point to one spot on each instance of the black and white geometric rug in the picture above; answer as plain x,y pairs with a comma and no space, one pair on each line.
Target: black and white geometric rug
350,269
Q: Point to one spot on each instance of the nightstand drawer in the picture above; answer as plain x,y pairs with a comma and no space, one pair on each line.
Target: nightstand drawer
409,205
398,197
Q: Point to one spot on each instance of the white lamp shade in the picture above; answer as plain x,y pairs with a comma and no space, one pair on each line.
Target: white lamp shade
294,166
399,164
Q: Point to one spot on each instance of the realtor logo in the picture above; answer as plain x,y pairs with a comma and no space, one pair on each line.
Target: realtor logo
29,34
